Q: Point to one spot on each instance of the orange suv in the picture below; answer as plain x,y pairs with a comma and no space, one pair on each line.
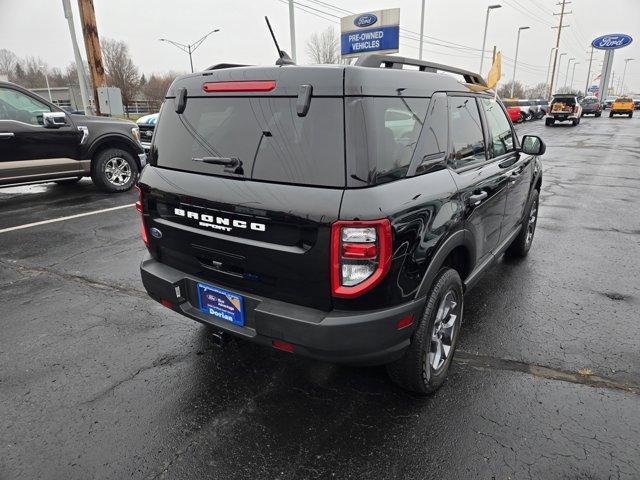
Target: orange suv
622,106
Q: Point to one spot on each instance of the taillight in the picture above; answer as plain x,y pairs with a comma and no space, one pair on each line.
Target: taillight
360,256
240,86
140,209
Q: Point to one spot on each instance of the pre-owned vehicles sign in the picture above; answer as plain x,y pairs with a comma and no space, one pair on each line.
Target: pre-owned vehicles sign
376,31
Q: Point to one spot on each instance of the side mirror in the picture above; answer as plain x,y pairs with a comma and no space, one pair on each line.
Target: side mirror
533,145
54,119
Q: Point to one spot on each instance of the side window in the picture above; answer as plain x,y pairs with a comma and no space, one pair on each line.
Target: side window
432,146
501,136
15,105
467,141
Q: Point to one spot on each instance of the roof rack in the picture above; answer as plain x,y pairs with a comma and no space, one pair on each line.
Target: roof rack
220,66
392,61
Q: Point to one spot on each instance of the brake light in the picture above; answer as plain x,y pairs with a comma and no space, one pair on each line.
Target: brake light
140,209
241,86
360,256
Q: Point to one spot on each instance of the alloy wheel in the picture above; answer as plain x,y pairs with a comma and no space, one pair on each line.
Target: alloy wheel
117,171
531,224
444,330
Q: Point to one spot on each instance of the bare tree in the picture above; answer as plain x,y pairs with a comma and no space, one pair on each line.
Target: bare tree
120,69
8,61
323,47
537,91
505,90
156,88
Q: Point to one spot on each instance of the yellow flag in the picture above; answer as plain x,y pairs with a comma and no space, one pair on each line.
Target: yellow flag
495,72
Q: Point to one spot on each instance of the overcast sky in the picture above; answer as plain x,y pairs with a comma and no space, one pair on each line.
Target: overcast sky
38,28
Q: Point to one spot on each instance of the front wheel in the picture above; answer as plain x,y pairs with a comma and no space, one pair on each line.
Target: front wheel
521,245
114,170
424,366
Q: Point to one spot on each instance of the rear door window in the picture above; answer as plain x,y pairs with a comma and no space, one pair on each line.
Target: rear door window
465,132
264,133
382,133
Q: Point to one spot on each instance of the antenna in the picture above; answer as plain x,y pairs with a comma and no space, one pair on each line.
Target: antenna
283,58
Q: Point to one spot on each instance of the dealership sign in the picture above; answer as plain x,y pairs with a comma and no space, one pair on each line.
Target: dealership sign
376,31
612,41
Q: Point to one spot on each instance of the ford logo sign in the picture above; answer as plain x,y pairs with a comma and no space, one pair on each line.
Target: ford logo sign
365,20
155,233
612,41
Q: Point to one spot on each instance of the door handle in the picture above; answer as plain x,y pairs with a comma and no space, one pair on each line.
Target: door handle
477,198
6,135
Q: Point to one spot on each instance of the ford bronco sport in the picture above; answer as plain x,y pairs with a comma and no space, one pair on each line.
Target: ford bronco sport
337,212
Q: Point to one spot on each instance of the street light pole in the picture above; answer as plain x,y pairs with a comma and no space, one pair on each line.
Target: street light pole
573,74
515,60
484,37
292,30
46,79
624,73
191,47
586,88
558,78
546,82
421,31
566,75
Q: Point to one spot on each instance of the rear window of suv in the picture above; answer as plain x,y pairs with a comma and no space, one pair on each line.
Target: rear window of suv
264,133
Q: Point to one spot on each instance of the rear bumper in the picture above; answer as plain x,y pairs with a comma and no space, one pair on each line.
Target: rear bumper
622,112
562,117
359,338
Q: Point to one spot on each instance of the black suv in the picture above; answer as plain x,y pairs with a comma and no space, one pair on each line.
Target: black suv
338,212
40,142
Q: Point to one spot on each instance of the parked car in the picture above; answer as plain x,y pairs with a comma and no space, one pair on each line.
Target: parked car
147,125
636,103
622,106
515,114
525,111
591,106
543,105
300,216
40,142
608,102
564,107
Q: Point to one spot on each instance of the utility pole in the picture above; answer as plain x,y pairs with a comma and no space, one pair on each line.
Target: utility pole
82,78
484,37
92,45
559,27
292,30
422,31
586,88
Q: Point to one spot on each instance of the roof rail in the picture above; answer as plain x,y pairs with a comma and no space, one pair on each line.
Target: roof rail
220,66
392,61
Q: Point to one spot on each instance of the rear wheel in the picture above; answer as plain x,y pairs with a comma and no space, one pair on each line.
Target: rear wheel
630,114
610,114
549,121
522,243
423,367
598,114
68,181
114,170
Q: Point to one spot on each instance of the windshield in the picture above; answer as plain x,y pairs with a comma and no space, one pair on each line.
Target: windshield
265,134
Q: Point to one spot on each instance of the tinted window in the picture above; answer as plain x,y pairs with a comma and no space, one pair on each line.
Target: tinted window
467,142
15,105
266,134
501,136
587,101
433,139
382,133
564,100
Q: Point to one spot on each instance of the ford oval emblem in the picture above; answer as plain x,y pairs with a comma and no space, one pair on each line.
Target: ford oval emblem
365,20
155,232
612,41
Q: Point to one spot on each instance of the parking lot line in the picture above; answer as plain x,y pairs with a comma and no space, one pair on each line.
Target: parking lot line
61,219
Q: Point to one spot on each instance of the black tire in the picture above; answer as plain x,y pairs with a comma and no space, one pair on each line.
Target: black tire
610,114
549,121
101,163
68,181
414,370
631,115
598,114
521,245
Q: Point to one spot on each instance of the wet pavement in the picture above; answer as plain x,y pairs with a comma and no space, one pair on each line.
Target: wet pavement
98,381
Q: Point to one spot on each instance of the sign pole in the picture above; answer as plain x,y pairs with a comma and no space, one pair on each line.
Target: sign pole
606,72
421,31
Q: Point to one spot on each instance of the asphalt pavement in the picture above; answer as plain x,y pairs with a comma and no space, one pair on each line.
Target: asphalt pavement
98,381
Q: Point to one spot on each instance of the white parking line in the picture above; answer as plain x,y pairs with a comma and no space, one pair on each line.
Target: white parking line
61,219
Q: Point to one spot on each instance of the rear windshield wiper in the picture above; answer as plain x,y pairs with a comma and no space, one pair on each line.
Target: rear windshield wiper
231,164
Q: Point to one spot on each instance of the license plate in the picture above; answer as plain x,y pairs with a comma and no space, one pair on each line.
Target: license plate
221,304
